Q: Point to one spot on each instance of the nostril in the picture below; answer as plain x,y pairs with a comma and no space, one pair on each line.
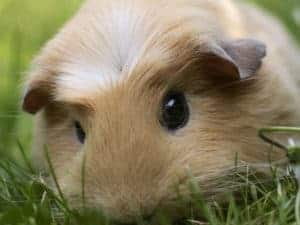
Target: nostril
124,224
144,220
148,218
132,210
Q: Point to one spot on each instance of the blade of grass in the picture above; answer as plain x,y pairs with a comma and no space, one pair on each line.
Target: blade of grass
25,158
83,180
52,172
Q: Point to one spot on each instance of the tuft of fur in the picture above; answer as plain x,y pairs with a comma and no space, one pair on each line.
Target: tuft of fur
110,67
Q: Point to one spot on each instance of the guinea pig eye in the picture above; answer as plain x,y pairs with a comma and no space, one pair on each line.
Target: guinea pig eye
79,132
174,111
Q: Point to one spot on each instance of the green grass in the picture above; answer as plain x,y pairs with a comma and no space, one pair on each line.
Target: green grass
25,199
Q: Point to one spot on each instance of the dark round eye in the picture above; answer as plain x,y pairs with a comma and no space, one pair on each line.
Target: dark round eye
175,111
79,132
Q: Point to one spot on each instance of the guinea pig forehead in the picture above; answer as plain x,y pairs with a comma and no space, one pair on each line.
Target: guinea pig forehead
83,82
161,72
157,69
80,82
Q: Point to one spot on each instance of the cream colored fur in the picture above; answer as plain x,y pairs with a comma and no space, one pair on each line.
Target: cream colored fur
109,68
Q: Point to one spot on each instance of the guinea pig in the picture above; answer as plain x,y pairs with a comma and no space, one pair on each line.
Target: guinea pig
148,92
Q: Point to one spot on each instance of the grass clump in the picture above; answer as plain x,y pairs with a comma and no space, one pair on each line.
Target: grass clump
26,199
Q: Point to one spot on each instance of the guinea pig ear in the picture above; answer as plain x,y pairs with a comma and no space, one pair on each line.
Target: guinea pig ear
237,59
37,94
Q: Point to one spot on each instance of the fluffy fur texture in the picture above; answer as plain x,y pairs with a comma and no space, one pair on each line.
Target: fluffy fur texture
110,67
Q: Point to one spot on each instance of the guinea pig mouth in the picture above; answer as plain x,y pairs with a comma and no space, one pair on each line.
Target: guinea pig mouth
154,221
174,216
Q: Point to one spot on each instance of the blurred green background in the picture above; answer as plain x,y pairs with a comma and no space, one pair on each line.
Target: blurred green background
26,25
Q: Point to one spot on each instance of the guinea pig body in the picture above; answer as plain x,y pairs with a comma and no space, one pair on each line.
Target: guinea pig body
148,92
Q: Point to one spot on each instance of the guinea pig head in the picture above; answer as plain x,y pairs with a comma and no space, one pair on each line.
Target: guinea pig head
125,137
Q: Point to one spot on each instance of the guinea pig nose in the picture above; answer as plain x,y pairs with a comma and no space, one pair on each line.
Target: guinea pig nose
147,217
141,220
145,220
120,223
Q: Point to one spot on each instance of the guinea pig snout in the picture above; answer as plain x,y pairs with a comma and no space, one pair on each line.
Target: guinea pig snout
127,200
130,208
126,179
